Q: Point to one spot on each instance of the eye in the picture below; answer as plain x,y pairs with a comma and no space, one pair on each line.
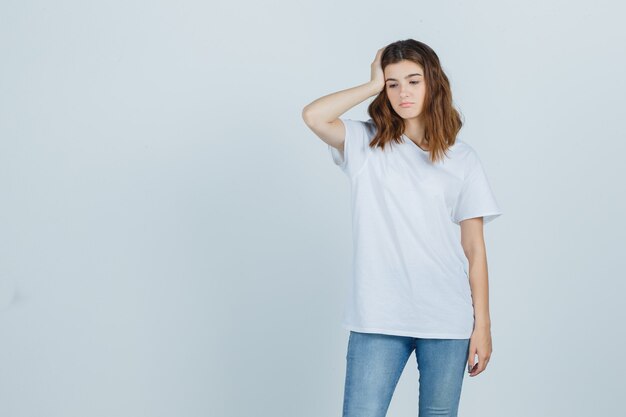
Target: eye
412,82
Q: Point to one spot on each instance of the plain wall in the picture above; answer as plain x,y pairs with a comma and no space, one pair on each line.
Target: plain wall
174,241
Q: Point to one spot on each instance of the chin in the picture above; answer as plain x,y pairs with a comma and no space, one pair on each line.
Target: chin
409,115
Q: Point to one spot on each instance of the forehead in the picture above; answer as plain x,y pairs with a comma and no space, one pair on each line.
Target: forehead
402,69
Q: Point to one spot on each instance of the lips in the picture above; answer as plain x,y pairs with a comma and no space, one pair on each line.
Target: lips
406,104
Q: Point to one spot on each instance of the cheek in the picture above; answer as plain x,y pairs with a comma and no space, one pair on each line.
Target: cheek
421,93
392,93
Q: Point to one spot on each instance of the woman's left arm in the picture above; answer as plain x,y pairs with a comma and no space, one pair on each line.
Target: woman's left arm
473,243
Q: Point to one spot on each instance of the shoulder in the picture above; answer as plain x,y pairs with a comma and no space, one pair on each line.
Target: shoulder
462,151
368,127
463,157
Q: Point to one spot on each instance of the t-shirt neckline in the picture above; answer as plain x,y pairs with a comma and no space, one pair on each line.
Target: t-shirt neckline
406,138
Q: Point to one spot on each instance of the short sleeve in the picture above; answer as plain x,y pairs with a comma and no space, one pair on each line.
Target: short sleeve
476,198
356,148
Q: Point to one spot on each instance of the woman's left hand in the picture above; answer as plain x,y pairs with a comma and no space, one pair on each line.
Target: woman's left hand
480,344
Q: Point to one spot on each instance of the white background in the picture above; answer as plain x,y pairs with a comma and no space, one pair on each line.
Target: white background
174,241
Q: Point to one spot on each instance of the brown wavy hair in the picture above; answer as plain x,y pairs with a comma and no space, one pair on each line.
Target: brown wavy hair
441,120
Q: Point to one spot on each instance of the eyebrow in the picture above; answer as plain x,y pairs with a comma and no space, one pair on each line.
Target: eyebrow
408,76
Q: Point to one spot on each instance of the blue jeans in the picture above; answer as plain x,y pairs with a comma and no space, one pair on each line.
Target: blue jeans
376,361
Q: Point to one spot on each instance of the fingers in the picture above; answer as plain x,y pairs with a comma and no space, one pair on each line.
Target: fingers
377,58
477,368
474,368
471,359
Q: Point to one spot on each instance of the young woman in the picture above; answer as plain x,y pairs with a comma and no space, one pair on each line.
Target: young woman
420,198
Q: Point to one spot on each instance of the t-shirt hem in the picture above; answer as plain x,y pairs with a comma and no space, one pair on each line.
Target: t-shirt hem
409,333
487,217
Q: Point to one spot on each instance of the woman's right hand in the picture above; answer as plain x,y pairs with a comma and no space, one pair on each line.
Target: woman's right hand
378,77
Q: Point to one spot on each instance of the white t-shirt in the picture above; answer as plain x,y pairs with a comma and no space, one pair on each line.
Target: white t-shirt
410,274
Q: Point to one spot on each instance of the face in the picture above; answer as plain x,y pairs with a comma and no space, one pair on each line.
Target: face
404,83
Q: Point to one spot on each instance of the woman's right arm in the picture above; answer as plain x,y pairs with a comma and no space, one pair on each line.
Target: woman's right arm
322,115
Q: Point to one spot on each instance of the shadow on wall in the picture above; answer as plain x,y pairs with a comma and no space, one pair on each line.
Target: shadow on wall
8,292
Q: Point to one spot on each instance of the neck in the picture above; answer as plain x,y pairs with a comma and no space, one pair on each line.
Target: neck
414,130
